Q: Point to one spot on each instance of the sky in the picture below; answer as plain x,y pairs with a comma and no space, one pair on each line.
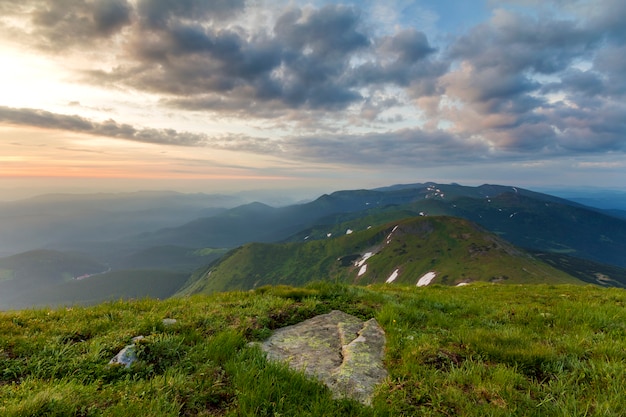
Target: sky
230,95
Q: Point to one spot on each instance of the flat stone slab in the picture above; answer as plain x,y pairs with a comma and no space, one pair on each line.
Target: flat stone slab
339,349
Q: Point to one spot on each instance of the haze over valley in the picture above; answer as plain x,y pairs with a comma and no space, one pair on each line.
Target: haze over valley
67,249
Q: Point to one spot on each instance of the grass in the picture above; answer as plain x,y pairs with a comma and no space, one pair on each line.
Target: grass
480,350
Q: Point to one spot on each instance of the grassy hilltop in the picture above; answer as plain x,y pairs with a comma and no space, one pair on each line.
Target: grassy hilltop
455,250
483,349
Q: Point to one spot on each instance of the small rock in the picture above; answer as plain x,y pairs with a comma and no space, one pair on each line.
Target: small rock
127,356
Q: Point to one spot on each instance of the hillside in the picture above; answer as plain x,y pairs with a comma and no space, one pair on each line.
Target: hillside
471,351
450,251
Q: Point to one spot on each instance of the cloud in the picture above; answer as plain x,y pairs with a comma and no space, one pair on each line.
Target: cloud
57,25
517,85
601,165
159,13
108,128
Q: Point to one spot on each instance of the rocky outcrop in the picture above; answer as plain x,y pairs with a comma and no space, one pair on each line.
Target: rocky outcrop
339,349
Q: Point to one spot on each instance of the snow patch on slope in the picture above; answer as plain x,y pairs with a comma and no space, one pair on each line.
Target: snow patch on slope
392,277
365,257
426,279
389,237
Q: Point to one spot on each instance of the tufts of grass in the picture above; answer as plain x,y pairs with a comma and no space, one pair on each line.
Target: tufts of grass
480,350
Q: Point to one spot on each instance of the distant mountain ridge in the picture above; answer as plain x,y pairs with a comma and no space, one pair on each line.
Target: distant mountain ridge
529,219
74,221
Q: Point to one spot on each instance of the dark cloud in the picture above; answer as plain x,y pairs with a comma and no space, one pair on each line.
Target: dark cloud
608,18
109,128
302,64
587,83
592,129
110,15
329,33
610,63
159,13
409,45
405,59
311,59
401,148
515,43
59,24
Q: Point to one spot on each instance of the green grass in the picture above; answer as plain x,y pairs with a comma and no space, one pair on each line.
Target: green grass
481,350
210,251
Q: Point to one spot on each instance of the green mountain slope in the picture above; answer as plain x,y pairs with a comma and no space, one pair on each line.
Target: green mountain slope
451,250
169,257
483,350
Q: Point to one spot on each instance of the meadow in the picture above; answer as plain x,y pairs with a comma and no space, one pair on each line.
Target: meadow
478,350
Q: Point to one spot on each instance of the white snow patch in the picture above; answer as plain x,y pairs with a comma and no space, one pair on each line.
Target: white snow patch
422,213
362,270
462,284
349,231
389,237
515,189
369,227
392,277
365,257
512,215
329,234
426,279
306,237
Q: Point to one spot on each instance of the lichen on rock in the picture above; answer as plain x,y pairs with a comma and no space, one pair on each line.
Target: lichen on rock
339,349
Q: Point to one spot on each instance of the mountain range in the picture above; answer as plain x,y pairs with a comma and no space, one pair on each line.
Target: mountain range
189,235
